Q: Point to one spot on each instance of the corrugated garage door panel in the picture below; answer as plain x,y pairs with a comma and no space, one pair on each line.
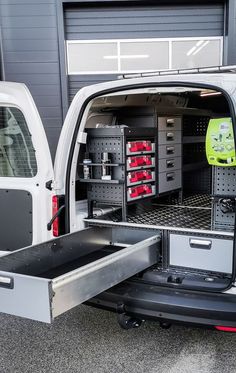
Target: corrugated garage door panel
123,22
144,22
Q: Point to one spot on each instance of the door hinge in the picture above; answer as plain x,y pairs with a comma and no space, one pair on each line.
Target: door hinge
49,184
82,137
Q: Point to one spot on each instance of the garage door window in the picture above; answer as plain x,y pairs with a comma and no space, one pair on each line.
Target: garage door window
17,154
192,53
140,55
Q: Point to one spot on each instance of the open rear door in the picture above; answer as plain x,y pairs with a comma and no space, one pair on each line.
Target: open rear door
25,168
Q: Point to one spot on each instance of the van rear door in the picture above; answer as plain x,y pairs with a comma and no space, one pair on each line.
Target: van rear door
25,168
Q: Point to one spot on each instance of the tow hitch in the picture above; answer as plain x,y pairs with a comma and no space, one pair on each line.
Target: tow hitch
125,321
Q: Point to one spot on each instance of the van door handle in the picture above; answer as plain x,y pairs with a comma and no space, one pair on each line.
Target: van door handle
200,244
58,213
6,282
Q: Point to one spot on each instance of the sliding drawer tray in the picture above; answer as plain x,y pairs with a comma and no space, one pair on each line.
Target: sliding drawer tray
41,282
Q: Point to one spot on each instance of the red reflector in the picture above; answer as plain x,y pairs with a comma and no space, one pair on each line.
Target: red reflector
55,224
226,329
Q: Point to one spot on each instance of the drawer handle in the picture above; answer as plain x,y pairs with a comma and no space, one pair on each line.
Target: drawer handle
170,163
170,150
170,122
200,244
170,177
169,136
6,282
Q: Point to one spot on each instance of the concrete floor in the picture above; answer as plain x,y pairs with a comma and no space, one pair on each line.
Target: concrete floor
88,340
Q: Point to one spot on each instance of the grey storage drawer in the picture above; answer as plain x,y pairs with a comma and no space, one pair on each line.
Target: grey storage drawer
41,282
206,253
170,164
169,137
169,123
170,180
169,151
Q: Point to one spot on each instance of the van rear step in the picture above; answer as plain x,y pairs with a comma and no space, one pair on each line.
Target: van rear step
41,282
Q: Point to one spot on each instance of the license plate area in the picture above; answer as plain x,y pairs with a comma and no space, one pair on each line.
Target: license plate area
42,281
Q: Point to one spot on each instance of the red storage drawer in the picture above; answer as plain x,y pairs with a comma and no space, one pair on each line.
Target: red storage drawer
137,176
139,146
140,161
138,191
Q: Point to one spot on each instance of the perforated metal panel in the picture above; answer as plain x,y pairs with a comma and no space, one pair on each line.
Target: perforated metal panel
222,220
113,145
195,125
224,181
224,185
107,193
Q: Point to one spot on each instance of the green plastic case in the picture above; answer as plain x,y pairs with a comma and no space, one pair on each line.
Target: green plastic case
220,147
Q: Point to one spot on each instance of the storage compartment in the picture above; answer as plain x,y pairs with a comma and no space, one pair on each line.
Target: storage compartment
201,252
189,197
42,281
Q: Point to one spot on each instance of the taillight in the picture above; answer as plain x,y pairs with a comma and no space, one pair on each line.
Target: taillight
226,329
55,224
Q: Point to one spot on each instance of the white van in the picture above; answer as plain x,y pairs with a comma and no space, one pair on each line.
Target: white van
142,197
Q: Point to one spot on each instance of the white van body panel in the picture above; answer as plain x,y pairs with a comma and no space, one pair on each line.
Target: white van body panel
17,95
227,82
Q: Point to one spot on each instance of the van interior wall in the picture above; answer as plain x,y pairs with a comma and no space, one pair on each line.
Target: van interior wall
138,111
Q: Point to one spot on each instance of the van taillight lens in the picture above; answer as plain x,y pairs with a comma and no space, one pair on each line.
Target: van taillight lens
55,224
226,328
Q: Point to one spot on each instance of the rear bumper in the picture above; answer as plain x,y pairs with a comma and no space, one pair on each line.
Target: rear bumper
165,304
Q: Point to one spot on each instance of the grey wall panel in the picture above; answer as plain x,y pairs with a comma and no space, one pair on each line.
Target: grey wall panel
144,21
30,50
15,219
76,82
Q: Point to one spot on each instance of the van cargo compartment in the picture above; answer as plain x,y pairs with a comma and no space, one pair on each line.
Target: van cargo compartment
43,281
201,252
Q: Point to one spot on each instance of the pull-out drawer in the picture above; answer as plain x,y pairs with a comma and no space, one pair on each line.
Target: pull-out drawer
140,191
170,164
140,162
43,281
169,137
206,253
140,147
169,151
169,123
170,180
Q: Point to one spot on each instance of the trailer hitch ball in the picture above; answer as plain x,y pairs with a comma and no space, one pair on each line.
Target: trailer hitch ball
125,321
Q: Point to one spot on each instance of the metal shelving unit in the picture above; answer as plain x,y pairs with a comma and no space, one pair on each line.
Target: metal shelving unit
133,166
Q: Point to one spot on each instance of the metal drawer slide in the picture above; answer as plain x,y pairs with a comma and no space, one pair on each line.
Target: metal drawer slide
31,287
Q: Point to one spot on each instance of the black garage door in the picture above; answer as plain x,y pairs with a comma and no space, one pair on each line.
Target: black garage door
138,22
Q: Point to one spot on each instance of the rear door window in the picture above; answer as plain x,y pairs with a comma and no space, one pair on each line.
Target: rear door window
17,153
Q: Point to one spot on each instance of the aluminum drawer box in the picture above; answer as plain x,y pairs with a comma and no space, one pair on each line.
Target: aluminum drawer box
198,252
170,180
169,151
43,281
169,123
166,165
169,137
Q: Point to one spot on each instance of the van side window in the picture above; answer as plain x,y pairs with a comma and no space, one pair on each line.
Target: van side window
17,154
